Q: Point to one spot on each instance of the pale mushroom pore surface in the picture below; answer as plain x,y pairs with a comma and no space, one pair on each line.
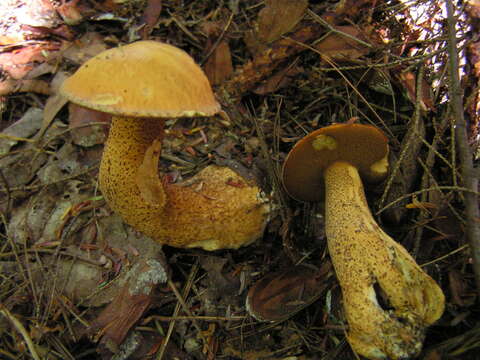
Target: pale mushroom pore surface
364,256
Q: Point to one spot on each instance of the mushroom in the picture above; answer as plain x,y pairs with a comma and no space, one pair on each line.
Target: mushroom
329,162
141,84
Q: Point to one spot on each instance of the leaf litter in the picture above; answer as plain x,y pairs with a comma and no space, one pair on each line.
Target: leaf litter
72,270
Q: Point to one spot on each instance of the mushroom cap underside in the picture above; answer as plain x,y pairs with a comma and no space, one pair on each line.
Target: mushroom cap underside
363,146
142,79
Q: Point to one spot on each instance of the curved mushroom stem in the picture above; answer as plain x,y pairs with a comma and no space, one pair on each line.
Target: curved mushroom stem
365,259
127,146
216,209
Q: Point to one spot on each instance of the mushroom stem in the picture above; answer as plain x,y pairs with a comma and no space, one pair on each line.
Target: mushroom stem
368,263
124,152
215,209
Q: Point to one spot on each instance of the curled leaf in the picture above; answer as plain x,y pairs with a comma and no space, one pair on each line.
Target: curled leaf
148,181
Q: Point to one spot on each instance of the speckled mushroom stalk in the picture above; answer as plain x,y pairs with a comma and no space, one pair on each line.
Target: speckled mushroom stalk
363,256
217,209
328,163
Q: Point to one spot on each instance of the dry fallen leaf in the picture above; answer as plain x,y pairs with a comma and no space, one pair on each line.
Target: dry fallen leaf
354,8
150,17
278,80
129,305
341,47
148,181
53,105
219,66
19,62
78,120
279,17
280,295
408,80
10,86
84,48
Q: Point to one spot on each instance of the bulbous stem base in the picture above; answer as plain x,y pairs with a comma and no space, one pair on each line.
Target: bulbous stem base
367,259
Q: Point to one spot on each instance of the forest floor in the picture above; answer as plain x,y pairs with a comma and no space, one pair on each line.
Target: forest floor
280,69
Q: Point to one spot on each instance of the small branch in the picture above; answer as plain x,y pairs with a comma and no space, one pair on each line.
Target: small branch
21,329
465,156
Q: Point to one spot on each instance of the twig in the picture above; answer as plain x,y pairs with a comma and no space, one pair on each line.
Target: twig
472,213
21,329
203,318
436,188
334,30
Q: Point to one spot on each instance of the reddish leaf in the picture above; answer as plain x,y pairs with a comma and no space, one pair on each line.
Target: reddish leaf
150,17
219,66
79,118
279,295
277,81
86,47
341,47
279,17
408,80
148,180
19,62
70,12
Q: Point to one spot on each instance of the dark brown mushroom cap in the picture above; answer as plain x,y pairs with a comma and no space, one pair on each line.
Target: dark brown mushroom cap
363,146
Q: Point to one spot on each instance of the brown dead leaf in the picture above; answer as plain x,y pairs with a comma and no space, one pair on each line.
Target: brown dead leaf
150,17
219,66
9,86
457,287
408,81
41,32
354,8
278,80
279,17
70,13
19,62
52,107
78,119
279,295
340,47
148,181
23,128
220,287
128,306
473,8
84,48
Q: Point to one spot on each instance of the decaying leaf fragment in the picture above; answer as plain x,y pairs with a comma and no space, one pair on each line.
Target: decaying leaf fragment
277,18
218,66
115,321
148,181
342,45
408,80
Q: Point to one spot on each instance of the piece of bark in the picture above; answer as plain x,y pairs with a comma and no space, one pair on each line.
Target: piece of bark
116,320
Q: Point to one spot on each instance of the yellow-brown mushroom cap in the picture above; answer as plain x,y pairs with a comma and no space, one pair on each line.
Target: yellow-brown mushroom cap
363,146
142,79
